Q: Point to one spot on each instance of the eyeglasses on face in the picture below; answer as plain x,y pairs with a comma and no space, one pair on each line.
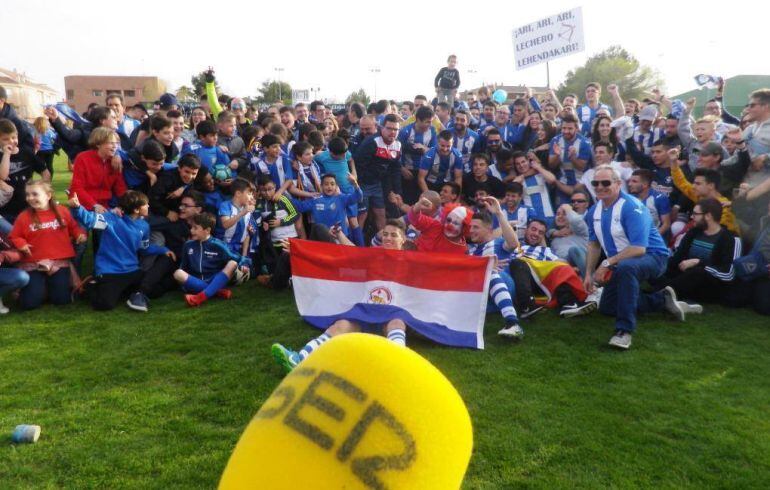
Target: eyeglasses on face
603,183
579,201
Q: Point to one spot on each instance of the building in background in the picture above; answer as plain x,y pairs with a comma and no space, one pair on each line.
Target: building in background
82,90
25,95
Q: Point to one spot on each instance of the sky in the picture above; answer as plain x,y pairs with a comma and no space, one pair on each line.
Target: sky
334,45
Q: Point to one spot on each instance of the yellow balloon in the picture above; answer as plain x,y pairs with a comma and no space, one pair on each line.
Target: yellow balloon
360,413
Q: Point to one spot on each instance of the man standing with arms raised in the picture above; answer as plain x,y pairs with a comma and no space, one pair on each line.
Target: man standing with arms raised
621,226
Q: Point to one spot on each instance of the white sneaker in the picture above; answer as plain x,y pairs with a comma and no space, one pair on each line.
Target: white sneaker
621,340
676,308
240,277
513,331
3,309
595,297
692,308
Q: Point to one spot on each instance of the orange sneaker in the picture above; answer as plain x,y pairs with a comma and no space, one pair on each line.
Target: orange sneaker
194,299
224,294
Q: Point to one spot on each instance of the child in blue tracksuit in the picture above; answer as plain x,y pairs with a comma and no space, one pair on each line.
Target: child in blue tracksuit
329,209
207,264
123,238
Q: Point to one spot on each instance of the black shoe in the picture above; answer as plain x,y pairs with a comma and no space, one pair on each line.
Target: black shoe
138,302
530,311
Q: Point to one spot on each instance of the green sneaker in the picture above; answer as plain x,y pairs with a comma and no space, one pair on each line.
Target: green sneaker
285,357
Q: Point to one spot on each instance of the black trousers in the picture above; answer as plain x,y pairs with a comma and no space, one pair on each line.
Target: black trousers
158,276
111,288
695,284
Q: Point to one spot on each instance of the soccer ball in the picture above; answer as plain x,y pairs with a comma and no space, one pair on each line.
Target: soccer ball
221,172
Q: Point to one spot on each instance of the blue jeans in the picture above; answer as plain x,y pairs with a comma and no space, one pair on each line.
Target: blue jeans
12,279
5,226
577,257
56,287
622,296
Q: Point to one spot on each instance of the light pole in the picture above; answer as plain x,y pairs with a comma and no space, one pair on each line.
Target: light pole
375,71
280,88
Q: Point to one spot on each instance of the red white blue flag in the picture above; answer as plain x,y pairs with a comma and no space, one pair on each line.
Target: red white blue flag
441,296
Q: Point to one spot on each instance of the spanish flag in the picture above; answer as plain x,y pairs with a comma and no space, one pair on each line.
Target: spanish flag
549,275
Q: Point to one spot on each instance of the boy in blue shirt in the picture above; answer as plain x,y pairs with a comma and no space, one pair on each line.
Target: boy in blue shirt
516,211
308,171
233,216
337,160
207,150
116,263
330,208
207,263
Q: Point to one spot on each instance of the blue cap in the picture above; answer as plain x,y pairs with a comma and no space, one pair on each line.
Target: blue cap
168,100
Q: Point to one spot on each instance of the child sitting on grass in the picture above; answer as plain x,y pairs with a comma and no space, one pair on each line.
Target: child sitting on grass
207,263
116,264
43,233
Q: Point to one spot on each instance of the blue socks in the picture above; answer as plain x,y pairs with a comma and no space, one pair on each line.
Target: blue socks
219,281
194,285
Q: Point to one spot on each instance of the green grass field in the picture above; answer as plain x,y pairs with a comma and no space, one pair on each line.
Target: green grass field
158,400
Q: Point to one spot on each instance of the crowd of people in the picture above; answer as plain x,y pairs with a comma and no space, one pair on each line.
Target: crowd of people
625,208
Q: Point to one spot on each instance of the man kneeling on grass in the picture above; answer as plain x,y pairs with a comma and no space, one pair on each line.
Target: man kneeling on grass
207,263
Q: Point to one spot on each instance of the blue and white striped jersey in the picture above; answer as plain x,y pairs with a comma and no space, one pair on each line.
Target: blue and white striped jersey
409,137
280,171
626,223
536,252
646,140
236,234
519,218
536,196
658,204
467,145
495,247
441,169
586,116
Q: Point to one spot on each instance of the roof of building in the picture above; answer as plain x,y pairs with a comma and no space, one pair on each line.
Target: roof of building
16,78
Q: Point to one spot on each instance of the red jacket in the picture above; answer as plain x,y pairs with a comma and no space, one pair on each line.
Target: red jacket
432,238
48,239
95,181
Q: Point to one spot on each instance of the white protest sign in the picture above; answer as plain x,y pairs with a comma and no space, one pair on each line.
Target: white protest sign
549,38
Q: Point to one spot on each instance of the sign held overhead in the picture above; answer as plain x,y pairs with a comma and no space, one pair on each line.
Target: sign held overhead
549,38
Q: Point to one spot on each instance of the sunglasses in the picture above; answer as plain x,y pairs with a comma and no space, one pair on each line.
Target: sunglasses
603,183
580,201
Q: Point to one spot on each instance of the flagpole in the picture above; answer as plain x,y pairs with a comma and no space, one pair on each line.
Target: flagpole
547,75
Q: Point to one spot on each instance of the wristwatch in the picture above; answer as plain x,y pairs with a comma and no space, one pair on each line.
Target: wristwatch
606,263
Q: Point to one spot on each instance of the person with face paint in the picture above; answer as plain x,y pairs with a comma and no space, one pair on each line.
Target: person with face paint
446,235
